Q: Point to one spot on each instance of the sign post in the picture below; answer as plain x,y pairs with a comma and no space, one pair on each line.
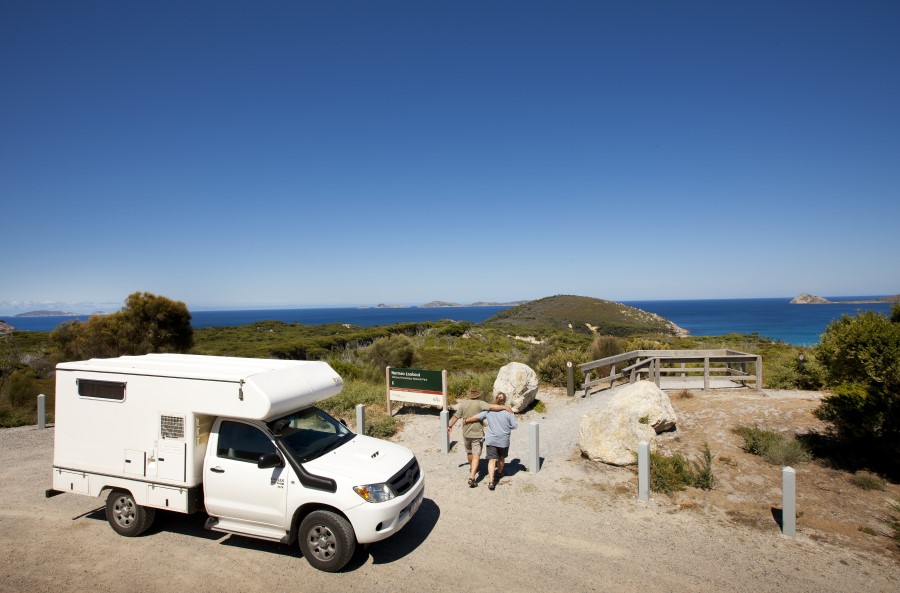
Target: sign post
418,386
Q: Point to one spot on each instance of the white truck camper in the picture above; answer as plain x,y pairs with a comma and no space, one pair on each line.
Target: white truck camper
238,438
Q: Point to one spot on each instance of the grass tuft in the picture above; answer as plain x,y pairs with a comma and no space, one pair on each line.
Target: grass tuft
774,447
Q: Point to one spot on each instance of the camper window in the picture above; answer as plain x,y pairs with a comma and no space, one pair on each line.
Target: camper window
113,390
242,442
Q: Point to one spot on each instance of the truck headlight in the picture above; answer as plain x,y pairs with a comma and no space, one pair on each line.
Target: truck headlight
375,492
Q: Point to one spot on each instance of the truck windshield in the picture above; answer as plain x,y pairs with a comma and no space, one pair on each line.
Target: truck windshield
311,432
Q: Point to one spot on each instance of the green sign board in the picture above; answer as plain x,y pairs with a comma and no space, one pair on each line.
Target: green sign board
416,386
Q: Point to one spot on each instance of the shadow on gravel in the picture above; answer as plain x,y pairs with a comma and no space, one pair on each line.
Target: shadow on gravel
405,541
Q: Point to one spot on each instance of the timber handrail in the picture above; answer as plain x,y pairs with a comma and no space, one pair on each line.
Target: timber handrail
652,363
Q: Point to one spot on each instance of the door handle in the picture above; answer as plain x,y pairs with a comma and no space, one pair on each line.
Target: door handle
218,470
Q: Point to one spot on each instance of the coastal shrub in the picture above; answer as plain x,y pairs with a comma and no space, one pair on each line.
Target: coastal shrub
644,344
459,384
672,473
21,389
394,351
774,447
553,371
604,346
866,481
354,392
380,425
793,368
147,323
861,358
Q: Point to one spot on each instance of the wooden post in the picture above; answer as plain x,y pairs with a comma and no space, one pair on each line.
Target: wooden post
706,374
570,379
612,373
444,389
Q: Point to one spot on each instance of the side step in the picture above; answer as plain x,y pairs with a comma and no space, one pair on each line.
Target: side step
272,534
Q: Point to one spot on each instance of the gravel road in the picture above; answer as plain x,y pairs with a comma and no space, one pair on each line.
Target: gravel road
573,526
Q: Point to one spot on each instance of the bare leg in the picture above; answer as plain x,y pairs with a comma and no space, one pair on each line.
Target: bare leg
501,463
492,466
473,466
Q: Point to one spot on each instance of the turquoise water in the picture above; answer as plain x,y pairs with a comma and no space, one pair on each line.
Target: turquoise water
772,318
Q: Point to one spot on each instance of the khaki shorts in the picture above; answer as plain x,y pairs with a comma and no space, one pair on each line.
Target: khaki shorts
474,446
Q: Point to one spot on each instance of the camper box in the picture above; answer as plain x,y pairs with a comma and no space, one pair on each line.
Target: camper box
142,422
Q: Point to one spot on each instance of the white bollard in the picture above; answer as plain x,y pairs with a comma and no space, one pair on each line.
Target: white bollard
42,411
644,471
534,449
445,434
788,501
360,419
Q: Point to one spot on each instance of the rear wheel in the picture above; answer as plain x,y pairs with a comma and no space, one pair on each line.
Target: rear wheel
127,517
327,540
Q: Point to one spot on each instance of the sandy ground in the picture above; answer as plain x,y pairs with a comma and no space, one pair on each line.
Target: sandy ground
572,526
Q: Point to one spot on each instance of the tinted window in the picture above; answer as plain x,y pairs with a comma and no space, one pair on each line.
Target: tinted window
243,442
113,390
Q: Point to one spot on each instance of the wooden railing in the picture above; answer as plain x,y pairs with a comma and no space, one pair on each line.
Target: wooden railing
652,364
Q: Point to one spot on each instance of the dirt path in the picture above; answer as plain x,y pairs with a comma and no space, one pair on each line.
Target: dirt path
573,526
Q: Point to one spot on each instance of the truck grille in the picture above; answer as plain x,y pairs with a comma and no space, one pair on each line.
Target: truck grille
406,478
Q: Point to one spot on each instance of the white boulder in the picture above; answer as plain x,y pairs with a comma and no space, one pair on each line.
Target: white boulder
635,413
520,384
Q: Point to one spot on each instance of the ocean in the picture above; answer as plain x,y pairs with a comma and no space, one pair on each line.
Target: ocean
773,318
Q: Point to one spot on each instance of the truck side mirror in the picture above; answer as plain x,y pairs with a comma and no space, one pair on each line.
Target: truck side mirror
269,460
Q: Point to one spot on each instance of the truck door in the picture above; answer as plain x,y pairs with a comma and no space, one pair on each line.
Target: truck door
234,487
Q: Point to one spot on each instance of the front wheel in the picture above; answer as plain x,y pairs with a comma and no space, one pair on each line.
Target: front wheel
127,517
327,540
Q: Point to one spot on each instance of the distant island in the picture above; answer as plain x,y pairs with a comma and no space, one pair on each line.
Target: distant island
47,314
439,304
810,299
436,304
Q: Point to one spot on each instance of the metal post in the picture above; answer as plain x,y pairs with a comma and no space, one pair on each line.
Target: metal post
42,411
643,471
788,501
360,419
534,454
445,434
570,379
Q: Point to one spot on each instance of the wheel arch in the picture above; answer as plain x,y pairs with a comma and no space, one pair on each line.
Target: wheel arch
305,509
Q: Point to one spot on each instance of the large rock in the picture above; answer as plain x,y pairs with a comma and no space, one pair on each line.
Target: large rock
520,384
635,413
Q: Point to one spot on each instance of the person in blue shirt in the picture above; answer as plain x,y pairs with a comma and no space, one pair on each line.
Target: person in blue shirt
500,425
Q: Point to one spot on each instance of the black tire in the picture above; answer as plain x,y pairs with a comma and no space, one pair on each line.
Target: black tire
127,517
327,540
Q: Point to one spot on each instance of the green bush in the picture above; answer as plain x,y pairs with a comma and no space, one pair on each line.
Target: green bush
552,368
861,357
461,382
395,351
868,482
380,425
774,447
671,473
353,393
21,388
786,370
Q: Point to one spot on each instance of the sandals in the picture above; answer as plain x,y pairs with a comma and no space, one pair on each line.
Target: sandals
491,485
472,483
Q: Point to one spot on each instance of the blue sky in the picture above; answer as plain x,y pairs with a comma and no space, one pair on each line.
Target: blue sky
266,154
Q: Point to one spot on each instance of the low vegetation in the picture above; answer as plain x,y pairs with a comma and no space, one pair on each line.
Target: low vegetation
671,473
774,447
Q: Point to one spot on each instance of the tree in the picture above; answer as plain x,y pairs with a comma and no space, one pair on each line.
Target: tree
861,358
147,323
